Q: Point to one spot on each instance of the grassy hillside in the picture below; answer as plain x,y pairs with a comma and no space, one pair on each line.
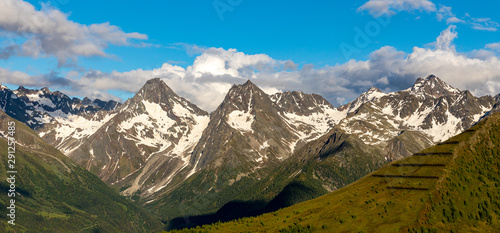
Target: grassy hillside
450,187
319,167
54,194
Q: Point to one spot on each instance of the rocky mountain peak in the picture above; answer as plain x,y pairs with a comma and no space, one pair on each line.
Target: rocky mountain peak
373,90
21,90
106,105
371,95
156,91
46,90
243,97
434,86
243,88
300,103
86,101
248,83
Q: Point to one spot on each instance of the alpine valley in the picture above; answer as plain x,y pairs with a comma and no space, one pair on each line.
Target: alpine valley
255,153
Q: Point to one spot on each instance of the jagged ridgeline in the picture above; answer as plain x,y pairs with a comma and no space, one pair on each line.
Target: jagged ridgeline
255,153
54,194
453,186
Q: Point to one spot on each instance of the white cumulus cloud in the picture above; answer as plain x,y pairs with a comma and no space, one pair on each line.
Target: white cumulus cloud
213,72
49,32
390,7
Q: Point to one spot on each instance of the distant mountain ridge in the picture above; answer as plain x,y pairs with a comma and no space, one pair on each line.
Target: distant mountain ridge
38,107
162,149
430,106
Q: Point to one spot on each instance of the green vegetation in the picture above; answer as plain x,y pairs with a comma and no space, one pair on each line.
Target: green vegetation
54,194
450,187
331,162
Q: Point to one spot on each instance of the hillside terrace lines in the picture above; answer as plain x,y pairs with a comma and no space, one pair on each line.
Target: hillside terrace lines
432,153
406,176
420,171
407,188
418,165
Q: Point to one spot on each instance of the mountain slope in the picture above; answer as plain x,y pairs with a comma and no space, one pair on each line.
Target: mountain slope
147,143
321,166
54,194
317,168
310,115
452,186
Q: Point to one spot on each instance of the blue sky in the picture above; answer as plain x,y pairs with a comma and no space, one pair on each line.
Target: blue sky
107,49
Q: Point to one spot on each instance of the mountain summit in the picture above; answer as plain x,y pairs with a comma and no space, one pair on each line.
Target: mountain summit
154,131
155,91
246,112
434,86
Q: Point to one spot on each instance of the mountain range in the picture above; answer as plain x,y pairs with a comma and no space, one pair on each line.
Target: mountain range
449,187
275,150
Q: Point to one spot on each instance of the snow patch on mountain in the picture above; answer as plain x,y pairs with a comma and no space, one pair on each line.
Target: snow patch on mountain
41,100
441,132
188,141
150,128
77,127
373,94
241,120
313,125
264,145
320,122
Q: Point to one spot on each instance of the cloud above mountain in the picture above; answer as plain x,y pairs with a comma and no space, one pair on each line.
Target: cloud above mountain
215,70
49,32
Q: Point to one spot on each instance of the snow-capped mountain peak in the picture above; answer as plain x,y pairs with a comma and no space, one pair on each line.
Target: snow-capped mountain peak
373,94
155,90
242,97
430,106
434,86
154,131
